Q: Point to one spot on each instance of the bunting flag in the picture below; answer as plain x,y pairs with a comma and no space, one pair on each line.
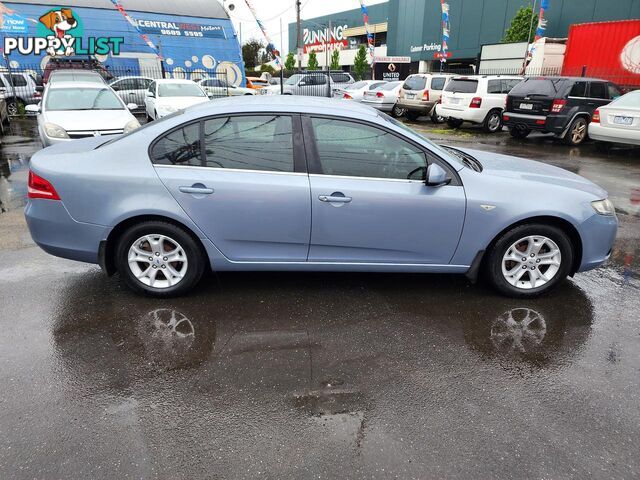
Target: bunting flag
370,40
445,30
134,24
541,28
270,46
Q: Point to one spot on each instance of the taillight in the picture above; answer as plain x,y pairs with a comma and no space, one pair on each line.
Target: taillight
596,117
475,102
347,97
41,188
425,96
379,94
558,105
506,102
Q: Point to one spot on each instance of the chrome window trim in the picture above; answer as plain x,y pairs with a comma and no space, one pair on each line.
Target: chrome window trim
352,177
228,169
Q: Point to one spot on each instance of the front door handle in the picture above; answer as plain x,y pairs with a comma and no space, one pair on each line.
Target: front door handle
196,189
334,198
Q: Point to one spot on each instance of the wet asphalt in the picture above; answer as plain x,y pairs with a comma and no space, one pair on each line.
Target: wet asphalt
280,376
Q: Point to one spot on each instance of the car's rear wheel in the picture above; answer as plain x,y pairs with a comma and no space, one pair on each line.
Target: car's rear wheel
577,133
15,106
397,111
159,259
529,260
519,132
454,122
493,122
435,118
411,115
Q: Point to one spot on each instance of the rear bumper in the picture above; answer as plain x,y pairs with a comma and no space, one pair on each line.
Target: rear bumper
598,233
416,105
612,134
53,230
550,123
474,115
384,107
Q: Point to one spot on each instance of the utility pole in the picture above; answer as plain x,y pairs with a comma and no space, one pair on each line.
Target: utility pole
299,47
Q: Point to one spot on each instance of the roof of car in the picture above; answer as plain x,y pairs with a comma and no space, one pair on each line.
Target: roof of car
291,103
573,79
173,80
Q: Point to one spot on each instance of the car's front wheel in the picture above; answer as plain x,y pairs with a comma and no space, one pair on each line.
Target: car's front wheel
159,259
454,122
529,260
411,115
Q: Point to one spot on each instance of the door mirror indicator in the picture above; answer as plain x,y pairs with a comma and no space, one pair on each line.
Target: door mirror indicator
437,176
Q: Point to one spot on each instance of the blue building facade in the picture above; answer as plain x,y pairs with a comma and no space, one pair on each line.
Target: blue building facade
195,38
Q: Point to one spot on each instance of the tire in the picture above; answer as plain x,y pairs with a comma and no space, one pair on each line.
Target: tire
493,122
437,119
413,116
14,107
149,119
577,133
519,132
504,274
397,111
186,272
454,122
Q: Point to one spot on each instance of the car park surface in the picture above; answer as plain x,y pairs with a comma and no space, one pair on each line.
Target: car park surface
288,375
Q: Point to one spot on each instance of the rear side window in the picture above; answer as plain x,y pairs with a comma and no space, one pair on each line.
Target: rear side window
179,147
437,83
598,90
579,89
18,80
340,77
260,142
415,83
462,86
539,86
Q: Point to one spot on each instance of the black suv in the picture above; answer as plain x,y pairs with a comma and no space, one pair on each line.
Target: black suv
559,105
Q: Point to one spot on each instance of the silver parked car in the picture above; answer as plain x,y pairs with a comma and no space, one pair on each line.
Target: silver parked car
314,84
289,183
132,89
20,90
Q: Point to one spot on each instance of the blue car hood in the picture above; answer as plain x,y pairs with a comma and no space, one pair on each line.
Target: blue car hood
528,170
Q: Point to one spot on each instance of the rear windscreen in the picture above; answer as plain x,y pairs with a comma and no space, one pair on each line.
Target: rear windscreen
541,86
462,86
415,83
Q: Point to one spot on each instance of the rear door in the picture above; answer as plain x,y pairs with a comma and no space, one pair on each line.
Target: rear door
535,96
242,179
460,92
436,87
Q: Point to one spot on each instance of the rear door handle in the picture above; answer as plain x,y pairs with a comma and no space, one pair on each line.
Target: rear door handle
197,189
334,199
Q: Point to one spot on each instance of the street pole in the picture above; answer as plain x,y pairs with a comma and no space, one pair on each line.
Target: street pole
326,56
281,65
526,52
299,38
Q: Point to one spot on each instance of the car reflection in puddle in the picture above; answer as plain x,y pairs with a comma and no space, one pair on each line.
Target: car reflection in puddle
518,330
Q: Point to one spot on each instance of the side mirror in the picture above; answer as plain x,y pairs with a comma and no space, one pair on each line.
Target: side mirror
436,176
132,106
32,109
115,87
40,88
150,94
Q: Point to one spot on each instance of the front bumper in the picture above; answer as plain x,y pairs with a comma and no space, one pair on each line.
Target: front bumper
598,233
53,230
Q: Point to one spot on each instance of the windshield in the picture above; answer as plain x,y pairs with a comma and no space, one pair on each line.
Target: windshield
76,77
415,83
83,99
179,90
544,87
292,80
458,85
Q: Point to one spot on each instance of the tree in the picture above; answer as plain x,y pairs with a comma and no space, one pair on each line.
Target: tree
251,53
290,62
520,29
360,63
265,67
313,61
335,60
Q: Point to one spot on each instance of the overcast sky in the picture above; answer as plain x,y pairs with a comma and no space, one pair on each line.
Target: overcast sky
271,11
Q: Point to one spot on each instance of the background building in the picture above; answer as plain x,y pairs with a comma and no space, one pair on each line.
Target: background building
195,37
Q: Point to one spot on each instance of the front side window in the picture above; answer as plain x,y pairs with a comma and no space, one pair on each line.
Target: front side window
437,83
598,90
494,86
179,147
259,142
508,85
356,150
19,80
613,91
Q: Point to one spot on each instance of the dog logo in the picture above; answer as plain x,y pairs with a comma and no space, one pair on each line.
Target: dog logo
60,22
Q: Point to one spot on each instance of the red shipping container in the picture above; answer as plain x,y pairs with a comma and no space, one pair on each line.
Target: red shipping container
609,50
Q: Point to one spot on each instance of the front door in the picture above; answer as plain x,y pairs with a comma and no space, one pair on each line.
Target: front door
370,203
239,179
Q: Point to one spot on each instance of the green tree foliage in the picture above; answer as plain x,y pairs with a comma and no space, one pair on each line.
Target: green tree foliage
265,67
360,63
251,53
290,62
313,61
335,60
520,29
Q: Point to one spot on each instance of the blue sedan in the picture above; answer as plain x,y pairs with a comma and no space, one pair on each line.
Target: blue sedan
309,184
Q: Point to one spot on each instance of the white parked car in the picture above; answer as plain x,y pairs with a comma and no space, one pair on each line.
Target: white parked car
420,93
619,121
78,110
356,91
385,98
219,87
170,95
476,99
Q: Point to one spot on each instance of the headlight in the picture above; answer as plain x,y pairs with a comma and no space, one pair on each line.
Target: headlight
131,126
52,130
604,207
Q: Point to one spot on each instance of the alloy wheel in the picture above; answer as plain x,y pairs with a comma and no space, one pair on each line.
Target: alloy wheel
157,261
578,132
494,122
12,109
531,262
